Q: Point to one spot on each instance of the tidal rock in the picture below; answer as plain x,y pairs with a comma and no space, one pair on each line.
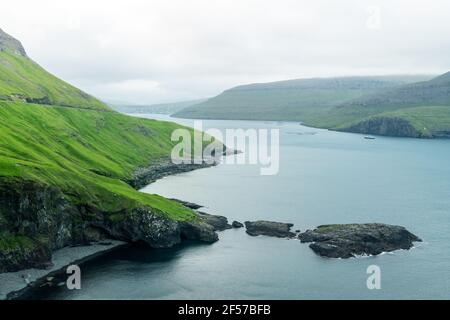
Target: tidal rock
187,204
269,228
198,230
219,223
349,240
237,224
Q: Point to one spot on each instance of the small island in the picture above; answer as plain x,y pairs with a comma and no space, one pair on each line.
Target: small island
350,240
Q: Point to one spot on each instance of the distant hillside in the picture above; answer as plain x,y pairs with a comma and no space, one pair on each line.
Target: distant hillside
417,110
297,100
162,108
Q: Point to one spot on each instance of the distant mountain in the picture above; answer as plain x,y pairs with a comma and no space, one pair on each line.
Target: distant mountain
405,106
432,92
419,109
297,100
162,108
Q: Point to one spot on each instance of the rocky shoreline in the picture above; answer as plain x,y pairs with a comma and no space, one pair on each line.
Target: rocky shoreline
145,175
44,213
14,285
28,202
144,225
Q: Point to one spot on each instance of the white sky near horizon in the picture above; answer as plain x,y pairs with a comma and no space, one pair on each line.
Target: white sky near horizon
153,51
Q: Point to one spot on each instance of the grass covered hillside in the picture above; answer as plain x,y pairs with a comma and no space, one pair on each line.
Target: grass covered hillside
88,155
68,164
22,79
296,100
419,109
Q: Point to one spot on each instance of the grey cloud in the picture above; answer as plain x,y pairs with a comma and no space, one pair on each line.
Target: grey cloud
167,50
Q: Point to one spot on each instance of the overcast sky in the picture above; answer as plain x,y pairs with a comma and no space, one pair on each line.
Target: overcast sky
151,51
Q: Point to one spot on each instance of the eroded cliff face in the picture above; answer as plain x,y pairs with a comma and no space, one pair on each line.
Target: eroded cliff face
386,126
36,219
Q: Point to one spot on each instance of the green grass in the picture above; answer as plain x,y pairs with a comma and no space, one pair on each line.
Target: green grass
12,242
53,134
87,154
268,105
424,105
21,79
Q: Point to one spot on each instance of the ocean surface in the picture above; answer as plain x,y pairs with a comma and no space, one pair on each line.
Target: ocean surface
324,177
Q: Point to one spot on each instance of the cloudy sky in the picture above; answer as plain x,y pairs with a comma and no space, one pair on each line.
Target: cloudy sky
151,51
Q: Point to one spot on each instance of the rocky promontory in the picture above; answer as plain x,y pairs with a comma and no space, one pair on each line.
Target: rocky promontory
219,223
350,240
44,220
269,228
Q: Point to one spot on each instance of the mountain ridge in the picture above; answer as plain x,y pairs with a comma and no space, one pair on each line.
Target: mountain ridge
8,42
294,100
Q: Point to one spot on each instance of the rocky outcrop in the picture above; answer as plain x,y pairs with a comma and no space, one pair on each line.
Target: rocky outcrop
9,43
146,175
35,220
219,223
269,228
187,204
198,230
386,126
349,240
165,167
237,224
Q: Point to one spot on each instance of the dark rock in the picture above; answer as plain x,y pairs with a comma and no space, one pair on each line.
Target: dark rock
105,243
269,228
9,43
219,223
349,240
187,204
199,231
237,224
35,220
146,175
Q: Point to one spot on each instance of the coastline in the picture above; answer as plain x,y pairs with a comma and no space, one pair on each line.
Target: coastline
13,285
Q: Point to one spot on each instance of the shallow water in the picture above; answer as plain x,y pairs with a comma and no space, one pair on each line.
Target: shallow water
325,177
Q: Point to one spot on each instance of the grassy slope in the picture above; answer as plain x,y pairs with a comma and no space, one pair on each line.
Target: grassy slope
299,100
22,78
73,141
86,153
425,105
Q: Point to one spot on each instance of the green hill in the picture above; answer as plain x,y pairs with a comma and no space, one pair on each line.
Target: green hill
67,166
419,109
21,79
405,106
296,100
